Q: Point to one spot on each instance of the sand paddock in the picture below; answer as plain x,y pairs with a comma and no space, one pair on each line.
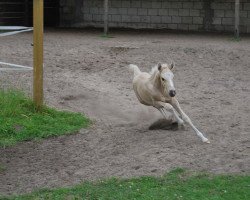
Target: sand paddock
88,73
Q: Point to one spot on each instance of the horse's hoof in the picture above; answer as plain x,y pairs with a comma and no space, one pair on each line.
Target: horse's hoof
206,141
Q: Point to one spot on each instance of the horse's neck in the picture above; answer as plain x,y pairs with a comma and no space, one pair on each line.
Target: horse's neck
155,80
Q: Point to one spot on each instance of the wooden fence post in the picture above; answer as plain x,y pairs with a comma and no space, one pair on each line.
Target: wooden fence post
38,53
237,19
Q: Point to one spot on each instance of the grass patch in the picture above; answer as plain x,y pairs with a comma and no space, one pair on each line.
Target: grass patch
235,39
107,36
176,185
2,168
19,120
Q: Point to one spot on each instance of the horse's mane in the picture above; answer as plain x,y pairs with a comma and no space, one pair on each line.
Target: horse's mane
154,71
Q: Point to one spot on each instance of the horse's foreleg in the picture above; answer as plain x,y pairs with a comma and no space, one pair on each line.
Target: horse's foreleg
163,107
176,105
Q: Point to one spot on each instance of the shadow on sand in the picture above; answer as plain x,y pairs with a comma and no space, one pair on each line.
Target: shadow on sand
164,124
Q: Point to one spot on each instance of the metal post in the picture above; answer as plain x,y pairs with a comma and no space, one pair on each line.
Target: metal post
237,18
38,52
105,17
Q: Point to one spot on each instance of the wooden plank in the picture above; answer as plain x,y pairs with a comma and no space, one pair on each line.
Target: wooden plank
11,20
18,7
237,19
38,53
26,16
51,12
12,13
105,17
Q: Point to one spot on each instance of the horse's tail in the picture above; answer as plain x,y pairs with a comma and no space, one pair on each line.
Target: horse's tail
134,69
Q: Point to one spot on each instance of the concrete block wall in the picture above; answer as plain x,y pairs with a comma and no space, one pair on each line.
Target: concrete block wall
193,15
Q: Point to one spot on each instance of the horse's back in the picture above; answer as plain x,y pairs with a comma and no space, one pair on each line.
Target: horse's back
142,77
140,84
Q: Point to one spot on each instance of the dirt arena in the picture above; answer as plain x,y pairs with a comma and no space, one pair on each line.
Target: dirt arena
87,73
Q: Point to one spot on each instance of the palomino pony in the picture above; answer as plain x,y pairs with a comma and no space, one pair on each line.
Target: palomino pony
157,89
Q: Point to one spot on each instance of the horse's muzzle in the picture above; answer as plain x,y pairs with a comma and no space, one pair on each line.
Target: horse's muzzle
172,93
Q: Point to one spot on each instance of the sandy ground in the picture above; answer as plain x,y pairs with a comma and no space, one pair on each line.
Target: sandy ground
88,73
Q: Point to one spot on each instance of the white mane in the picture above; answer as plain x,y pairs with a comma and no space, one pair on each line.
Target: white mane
153,70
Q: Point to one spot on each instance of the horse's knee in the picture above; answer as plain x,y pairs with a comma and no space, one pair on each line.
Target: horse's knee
169,107
186,118
157,106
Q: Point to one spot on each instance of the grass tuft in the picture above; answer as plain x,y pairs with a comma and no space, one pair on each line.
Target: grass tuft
107,36
2,168
235,39
20,121
196,186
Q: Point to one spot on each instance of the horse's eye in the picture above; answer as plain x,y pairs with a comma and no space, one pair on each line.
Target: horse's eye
162,79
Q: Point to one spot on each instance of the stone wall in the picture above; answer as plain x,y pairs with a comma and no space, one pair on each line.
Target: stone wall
193,15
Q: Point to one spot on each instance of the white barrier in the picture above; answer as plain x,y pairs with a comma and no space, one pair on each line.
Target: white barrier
17,67
9,28
12,30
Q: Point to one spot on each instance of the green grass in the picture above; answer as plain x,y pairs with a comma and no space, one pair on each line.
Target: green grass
2,168
107,36
234,39
19,120
176,185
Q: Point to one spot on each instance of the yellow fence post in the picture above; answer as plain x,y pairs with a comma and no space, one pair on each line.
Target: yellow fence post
38,52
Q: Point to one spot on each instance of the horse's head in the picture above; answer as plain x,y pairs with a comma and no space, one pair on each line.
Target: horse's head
166,78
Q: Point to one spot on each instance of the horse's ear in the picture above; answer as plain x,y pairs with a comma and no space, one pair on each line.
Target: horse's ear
172,65
159,66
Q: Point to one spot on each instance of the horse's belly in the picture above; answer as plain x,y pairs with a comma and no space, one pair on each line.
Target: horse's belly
147,103
143,97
